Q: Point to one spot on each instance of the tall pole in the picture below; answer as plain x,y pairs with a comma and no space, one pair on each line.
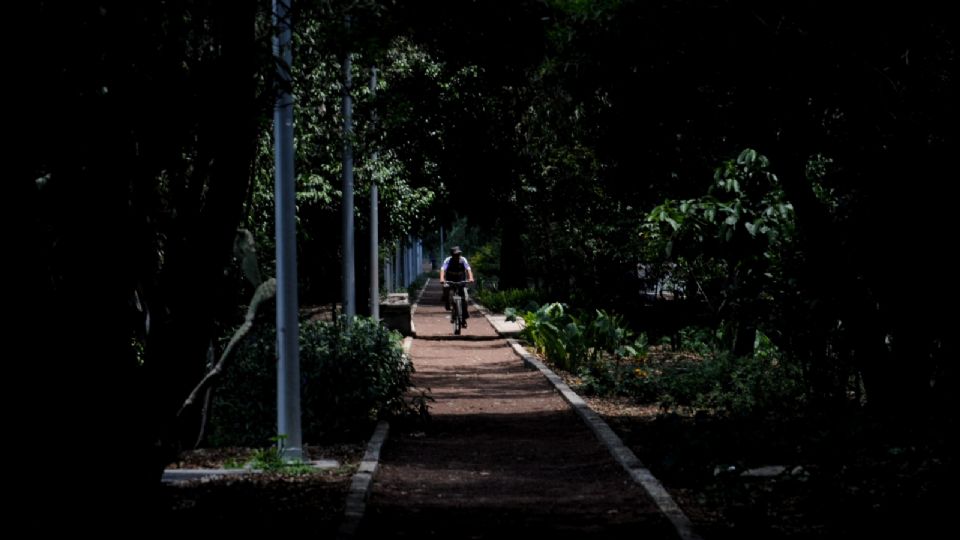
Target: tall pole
349,279
388,274
398,270
374,219
411,255
288,368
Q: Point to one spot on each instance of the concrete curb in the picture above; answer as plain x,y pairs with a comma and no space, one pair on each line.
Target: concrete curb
620,452
498,322
172,476
413,307
185,475
362,480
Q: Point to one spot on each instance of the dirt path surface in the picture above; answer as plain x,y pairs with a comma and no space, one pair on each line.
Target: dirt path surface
503,453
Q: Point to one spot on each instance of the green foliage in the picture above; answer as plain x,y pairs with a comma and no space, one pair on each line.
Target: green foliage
764,383
736,244
630,379
271,459
544,328
485,262
702,375
350,377
698,340
519,299
572,343
406,190
745,201
361,373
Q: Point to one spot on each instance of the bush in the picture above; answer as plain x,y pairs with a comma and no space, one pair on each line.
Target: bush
571,343
486,261
703,375
618,378
350,377
763,383
498,301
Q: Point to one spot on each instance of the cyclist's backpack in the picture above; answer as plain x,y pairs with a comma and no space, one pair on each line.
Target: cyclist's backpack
456,271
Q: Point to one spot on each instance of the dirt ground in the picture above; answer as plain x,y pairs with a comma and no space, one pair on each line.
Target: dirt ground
259,503
843,476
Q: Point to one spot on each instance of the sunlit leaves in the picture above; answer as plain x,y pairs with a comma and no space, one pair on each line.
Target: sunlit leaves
319,139
733,241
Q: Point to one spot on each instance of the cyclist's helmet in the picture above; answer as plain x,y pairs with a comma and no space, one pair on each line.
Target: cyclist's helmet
455,250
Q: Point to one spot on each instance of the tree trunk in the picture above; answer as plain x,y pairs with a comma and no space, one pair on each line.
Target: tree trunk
831,278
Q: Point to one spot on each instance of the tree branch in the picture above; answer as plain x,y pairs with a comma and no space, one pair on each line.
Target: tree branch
266,290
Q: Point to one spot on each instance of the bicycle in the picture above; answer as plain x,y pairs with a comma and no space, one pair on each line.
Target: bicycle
456,313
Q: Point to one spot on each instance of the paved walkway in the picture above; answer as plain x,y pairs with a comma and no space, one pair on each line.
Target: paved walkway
504,454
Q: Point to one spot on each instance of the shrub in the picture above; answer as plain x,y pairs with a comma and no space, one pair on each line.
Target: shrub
587,342
765,382
350,376
615,378
498,301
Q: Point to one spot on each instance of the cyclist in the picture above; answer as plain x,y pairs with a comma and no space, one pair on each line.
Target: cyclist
456,268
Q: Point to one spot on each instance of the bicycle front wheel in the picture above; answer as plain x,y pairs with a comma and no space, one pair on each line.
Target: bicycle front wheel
457,316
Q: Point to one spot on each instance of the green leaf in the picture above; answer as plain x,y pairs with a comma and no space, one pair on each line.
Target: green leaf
747,157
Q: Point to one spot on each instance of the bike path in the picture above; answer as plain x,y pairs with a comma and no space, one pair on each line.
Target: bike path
503,452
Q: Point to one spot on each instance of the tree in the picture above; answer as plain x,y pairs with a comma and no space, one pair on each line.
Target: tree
138,167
